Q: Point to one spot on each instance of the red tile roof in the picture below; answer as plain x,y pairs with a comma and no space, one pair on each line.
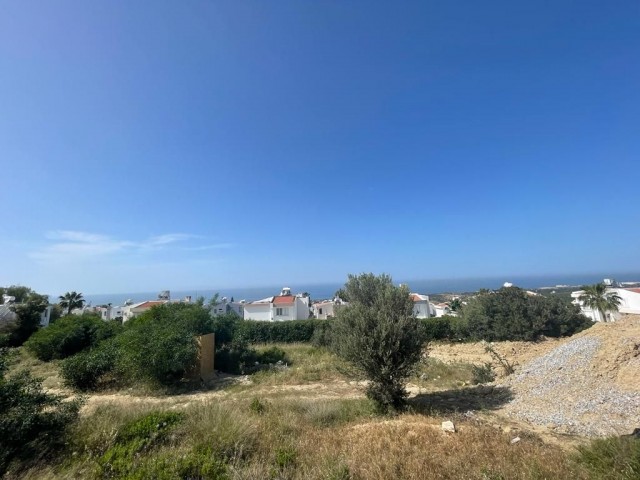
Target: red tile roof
417,298
634,290
151,303
284,300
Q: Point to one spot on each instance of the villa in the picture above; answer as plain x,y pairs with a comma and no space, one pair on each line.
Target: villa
278,308
327,308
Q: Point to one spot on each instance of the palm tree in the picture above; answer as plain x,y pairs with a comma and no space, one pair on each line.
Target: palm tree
597,298
71,300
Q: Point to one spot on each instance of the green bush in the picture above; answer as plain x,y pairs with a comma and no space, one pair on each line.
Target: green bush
439,328
123,457
293,331
33,423
85,370
512,314
160,345
70,335
272,355
615,458
236,357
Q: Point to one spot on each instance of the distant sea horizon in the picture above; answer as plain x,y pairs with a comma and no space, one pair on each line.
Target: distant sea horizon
327,290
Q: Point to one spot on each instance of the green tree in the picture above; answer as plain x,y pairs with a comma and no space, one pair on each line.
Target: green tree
380,336
511,314
455,305
33,422
71,300
27,307
160,345
597,298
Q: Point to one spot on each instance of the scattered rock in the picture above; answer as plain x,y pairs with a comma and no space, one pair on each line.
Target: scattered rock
448,426
515,440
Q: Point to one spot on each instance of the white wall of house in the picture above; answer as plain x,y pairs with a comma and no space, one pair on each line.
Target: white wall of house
630,300
439,310
45,316
302,308
630,303
258,311
421,309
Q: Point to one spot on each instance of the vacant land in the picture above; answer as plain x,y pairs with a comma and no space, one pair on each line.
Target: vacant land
309,418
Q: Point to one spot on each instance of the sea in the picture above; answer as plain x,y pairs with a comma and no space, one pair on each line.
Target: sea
327,290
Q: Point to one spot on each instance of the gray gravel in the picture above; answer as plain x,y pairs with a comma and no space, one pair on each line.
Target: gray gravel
560,390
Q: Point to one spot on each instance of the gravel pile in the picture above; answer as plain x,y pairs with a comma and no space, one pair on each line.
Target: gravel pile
563,391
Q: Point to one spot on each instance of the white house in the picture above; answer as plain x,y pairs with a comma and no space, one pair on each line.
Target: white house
630,303
229,307
421,305
110,312
135,309
327,308
440,309
8,316
279,308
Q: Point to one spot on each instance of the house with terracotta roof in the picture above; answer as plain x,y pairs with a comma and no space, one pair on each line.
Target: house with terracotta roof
421,306
131,311
278,308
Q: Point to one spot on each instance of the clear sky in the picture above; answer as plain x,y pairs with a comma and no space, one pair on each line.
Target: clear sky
153,144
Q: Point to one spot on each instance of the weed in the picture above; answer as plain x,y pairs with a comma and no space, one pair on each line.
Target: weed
615,458
483,374
285,457
507,367
257,406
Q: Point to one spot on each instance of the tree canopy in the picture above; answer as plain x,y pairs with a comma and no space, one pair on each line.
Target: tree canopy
71,300
380,336
510,313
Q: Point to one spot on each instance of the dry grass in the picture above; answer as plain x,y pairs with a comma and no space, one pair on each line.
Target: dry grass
306,364
48,371
309,422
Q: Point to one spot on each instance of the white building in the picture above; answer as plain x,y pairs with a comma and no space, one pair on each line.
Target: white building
279,308
421,308
440,310
327,308
135,309
229,307
630,303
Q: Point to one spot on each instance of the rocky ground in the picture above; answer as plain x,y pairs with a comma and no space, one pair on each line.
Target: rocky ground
588,384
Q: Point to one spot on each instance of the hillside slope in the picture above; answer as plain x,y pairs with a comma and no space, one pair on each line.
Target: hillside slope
589,384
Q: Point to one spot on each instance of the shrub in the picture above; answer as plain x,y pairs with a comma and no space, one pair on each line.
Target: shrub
611,458
160,345
272,355
33,423
512,314
438,328
236,357
483,373
293,331
70,335
380,336
84,370
142,434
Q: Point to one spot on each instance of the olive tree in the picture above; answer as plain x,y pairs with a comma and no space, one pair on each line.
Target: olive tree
380,336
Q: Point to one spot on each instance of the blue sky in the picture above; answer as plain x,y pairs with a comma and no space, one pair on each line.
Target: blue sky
152,144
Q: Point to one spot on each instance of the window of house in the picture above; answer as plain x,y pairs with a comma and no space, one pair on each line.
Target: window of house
320,311
281,312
